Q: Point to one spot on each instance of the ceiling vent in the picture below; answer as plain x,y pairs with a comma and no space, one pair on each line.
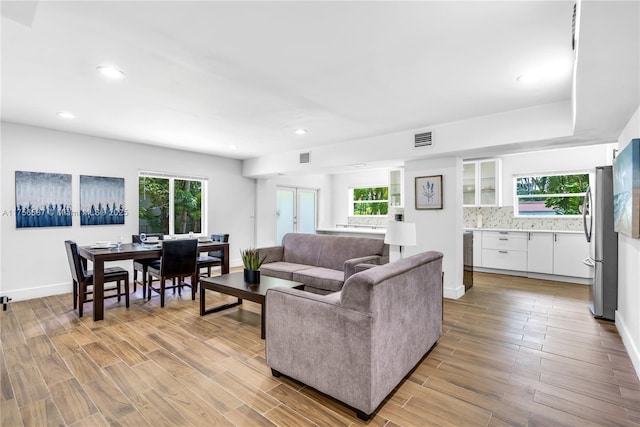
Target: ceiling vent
423,139
305,158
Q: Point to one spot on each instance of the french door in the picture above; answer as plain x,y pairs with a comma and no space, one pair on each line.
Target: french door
296,211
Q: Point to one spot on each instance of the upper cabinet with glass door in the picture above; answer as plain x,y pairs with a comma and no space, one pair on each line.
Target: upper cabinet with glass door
481,183
396,191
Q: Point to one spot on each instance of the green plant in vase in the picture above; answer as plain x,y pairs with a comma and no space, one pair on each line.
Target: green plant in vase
252,261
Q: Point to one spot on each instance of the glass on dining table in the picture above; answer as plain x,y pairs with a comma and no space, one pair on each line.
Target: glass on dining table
143,237
119,241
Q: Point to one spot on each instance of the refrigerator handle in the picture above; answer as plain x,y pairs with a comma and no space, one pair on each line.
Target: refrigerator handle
586,209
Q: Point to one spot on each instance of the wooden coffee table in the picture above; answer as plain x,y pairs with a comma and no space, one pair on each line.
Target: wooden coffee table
233,284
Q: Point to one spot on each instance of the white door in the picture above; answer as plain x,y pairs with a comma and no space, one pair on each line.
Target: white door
296,211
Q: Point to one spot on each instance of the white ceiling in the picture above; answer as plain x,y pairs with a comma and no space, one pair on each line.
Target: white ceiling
205,76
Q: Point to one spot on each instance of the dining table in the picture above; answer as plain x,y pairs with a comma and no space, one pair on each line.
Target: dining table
100,255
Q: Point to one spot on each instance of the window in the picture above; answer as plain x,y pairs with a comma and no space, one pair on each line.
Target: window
369,201
171,204
546,195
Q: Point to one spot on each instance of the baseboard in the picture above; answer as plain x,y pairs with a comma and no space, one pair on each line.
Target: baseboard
542,276
632,349
453,293
39,292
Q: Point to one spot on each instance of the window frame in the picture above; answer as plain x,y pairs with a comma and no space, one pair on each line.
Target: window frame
352,202
517,197
172,177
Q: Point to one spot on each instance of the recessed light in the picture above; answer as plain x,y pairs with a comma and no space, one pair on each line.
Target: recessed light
110,72
359,165
66,115
233,147
301,131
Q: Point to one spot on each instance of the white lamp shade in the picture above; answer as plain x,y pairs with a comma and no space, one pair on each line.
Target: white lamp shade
401,233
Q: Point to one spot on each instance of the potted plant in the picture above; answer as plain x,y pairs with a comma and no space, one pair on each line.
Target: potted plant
252,262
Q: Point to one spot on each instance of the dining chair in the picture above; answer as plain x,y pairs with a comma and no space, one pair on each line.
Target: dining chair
177,262
83,279
142,265
213,258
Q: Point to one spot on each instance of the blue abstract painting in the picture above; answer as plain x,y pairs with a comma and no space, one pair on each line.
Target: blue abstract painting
101,200
626,190
43,199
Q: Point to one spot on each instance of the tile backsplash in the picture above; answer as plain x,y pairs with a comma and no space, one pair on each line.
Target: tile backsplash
502,217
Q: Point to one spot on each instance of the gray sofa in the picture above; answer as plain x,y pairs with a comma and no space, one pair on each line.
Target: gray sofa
358,344
321,262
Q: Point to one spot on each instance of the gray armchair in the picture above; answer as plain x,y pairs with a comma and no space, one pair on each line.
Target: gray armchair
358,344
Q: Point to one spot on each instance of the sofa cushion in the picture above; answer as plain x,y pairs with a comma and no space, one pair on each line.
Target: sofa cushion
282,270
338,249
329,251
320,278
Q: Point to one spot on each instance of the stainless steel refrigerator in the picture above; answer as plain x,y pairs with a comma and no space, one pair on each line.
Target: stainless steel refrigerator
603,254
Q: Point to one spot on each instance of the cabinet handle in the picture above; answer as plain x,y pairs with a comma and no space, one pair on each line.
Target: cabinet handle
555,237
503,252
503,232
503,238
529,235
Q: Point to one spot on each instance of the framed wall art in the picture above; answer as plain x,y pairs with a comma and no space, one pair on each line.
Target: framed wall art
101,200
43,199
429,192
626,190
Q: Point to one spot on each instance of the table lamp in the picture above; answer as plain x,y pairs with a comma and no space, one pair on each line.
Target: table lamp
401,234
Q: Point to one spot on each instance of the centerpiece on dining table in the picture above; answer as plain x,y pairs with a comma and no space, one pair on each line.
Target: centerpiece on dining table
252,262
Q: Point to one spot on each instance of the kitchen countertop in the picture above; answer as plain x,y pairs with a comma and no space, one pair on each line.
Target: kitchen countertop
524,230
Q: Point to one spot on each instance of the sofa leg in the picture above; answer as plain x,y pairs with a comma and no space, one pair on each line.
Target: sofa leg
275,373
363,416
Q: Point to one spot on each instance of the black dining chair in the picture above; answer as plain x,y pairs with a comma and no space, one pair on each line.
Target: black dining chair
142,265
213,258
178,261
83,279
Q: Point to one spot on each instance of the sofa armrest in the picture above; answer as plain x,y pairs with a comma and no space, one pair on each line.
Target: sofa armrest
273,253
350,264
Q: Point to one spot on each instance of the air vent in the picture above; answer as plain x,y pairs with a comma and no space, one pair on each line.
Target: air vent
305,158
423,139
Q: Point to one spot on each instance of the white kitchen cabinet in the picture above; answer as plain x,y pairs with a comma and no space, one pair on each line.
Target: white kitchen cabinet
540,252
505,250
536,252
568,252
396,186
481,183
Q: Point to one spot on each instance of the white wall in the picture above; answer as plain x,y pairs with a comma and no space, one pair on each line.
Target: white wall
439,230
34,261
266,203
340,184
628,313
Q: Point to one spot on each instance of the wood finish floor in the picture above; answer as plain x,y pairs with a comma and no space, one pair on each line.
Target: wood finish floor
514,352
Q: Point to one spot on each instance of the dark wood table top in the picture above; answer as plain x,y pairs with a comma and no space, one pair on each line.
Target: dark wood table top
235,284
138,251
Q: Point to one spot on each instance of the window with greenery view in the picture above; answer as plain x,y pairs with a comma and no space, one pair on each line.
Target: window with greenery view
370,201
170,205
547,195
